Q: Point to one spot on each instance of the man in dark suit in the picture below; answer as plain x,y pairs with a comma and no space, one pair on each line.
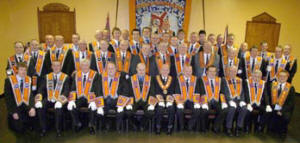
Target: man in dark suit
161,57
257,99
116,40
283,101
95,45
276,64
85,88
164,88
101,57
53,92
252,62
125,61
212,88
18,57
62,53
230,60
80,54
292,62
181,59
140,89
114,86
204,59
146,57
234,94
19,100
187,86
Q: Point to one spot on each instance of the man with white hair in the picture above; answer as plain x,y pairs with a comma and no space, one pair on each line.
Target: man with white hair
95,45
85,88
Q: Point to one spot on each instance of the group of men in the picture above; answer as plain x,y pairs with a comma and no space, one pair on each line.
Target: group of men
150,78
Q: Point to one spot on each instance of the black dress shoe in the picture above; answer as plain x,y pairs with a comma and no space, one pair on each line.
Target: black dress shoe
216,131
169,132
58,134
78,127
157,131
92,131
238,132
229,133
43,133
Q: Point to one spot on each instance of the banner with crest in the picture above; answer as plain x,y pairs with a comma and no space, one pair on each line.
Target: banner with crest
160,15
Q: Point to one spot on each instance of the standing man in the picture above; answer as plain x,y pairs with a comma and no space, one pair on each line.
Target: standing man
49,43
135,43
292,62
80,54
181,59
74,46
276,64
95,45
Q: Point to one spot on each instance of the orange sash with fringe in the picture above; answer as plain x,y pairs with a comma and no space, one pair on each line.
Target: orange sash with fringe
187,61
283,95
212,95
187,92
114,85
83,90
55,92
138,94
256,98
21,97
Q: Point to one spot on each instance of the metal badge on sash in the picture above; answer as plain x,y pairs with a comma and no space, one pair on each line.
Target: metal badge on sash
152,101
165,91
160,98
122,101
99,101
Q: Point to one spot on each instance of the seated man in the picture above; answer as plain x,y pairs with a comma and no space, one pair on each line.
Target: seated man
283,102
53,86
187,86
212,87
85,87
19,100
114,86
164,88
235,96
141,88
257,102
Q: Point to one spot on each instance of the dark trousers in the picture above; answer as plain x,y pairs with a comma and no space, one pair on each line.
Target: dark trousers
111,104
278,124
241,114
58,114
139,121
159,112
258,117
24,122
194,118
82,102
220,114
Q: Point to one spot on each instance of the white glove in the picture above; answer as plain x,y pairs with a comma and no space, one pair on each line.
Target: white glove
180,106
197,106
205,106
129,107
242,103
224,105
57,105
120,109
268,108
150,107
71,105
162,104
277,107
38,104
100,111
249,107
92,106
240,71
33,88
232,104
169,104
269,68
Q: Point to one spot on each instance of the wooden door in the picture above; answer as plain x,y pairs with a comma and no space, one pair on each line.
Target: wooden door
263,28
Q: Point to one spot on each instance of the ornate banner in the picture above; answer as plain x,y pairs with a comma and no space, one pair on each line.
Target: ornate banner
156,14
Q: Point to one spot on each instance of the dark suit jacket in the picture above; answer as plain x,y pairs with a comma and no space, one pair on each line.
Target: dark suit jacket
68,65
159,90
265,100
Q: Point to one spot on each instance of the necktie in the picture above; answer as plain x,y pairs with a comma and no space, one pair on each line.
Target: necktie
234,83
118,43
21,85
212,86
276,66
83,56
84,80
141,82
279,90
207,59
164,59
253,64
230,63
57,54
182,62
55,80
286,57
123,58
187,83
175,51
110,82
137,45
263,55
191,49
165,79
255,86
20,59
103,60
34,55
